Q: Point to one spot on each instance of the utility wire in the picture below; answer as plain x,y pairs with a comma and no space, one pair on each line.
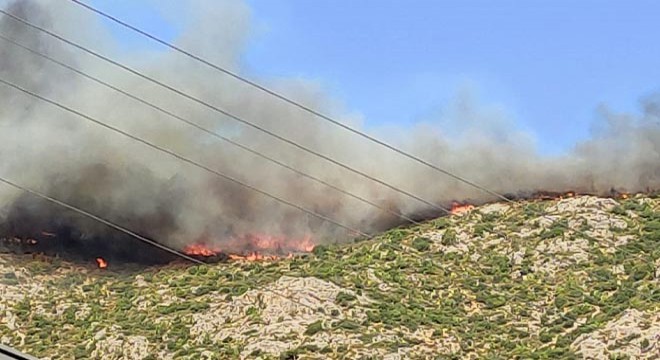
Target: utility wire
301,106
99,219
223,112
135,72
128,232
296,104
126,68
7,353
206,130
286,99
104,58
180,157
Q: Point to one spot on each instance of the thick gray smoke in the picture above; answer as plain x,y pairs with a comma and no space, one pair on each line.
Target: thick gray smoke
62,155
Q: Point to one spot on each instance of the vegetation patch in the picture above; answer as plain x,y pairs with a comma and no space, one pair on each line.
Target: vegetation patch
514,292
421,244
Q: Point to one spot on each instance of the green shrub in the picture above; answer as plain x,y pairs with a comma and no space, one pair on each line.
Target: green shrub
320,250
553,232
482,228
644,343
9,279
619,210
653,227
449,238
421,244
344,299
442,223
545,337
347,325
314,328
397,235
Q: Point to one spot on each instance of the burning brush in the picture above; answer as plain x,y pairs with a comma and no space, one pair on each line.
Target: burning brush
254,247
458,208
102,250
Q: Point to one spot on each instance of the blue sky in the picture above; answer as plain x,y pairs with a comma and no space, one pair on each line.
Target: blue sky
549,64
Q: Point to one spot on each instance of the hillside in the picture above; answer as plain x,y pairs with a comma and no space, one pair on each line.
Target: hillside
496,282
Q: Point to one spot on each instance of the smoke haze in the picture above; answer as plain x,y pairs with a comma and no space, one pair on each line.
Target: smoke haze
82,164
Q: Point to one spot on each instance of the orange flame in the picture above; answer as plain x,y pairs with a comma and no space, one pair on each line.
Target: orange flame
551,195
254,247
254,256
271,243
102,263
458,208
200,250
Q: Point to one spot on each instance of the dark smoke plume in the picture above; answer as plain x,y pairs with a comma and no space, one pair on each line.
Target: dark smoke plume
160,197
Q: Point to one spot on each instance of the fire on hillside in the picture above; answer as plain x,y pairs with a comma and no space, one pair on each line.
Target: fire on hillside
57,239
254,247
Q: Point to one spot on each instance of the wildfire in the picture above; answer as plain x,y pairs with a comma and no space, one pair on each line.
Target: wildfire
255,256
458,208
199,250
264,242
255,247
102,263
552,195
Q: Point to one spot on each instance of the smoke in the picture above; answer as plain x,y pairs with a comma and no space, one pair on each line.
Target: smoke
82,164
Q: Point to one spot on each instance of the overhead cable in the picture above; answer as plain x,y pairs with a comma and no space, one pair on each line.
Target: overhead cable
206,130
287,99
180,157
99,219
224,112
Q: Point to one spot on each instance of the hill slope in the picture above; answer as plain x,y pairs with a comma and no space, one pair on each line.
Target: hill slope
499,281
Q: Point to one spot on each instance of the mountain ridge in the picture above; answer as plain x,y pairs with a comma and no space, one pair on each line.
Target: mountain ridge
576,277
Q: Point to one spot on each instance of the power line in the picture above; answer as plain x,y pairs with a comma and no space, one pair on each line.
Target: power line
126,231
313,112
223,112
7,353
286,99
301,106
99,219
206,130
180,157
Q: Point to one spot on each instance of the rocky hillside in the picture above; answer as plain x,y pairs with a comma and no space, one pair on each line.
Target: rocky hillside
498,282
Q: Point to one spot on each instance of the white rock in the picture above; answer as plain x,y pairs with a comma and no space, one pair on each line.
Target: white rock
140,282
624,335
498,208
